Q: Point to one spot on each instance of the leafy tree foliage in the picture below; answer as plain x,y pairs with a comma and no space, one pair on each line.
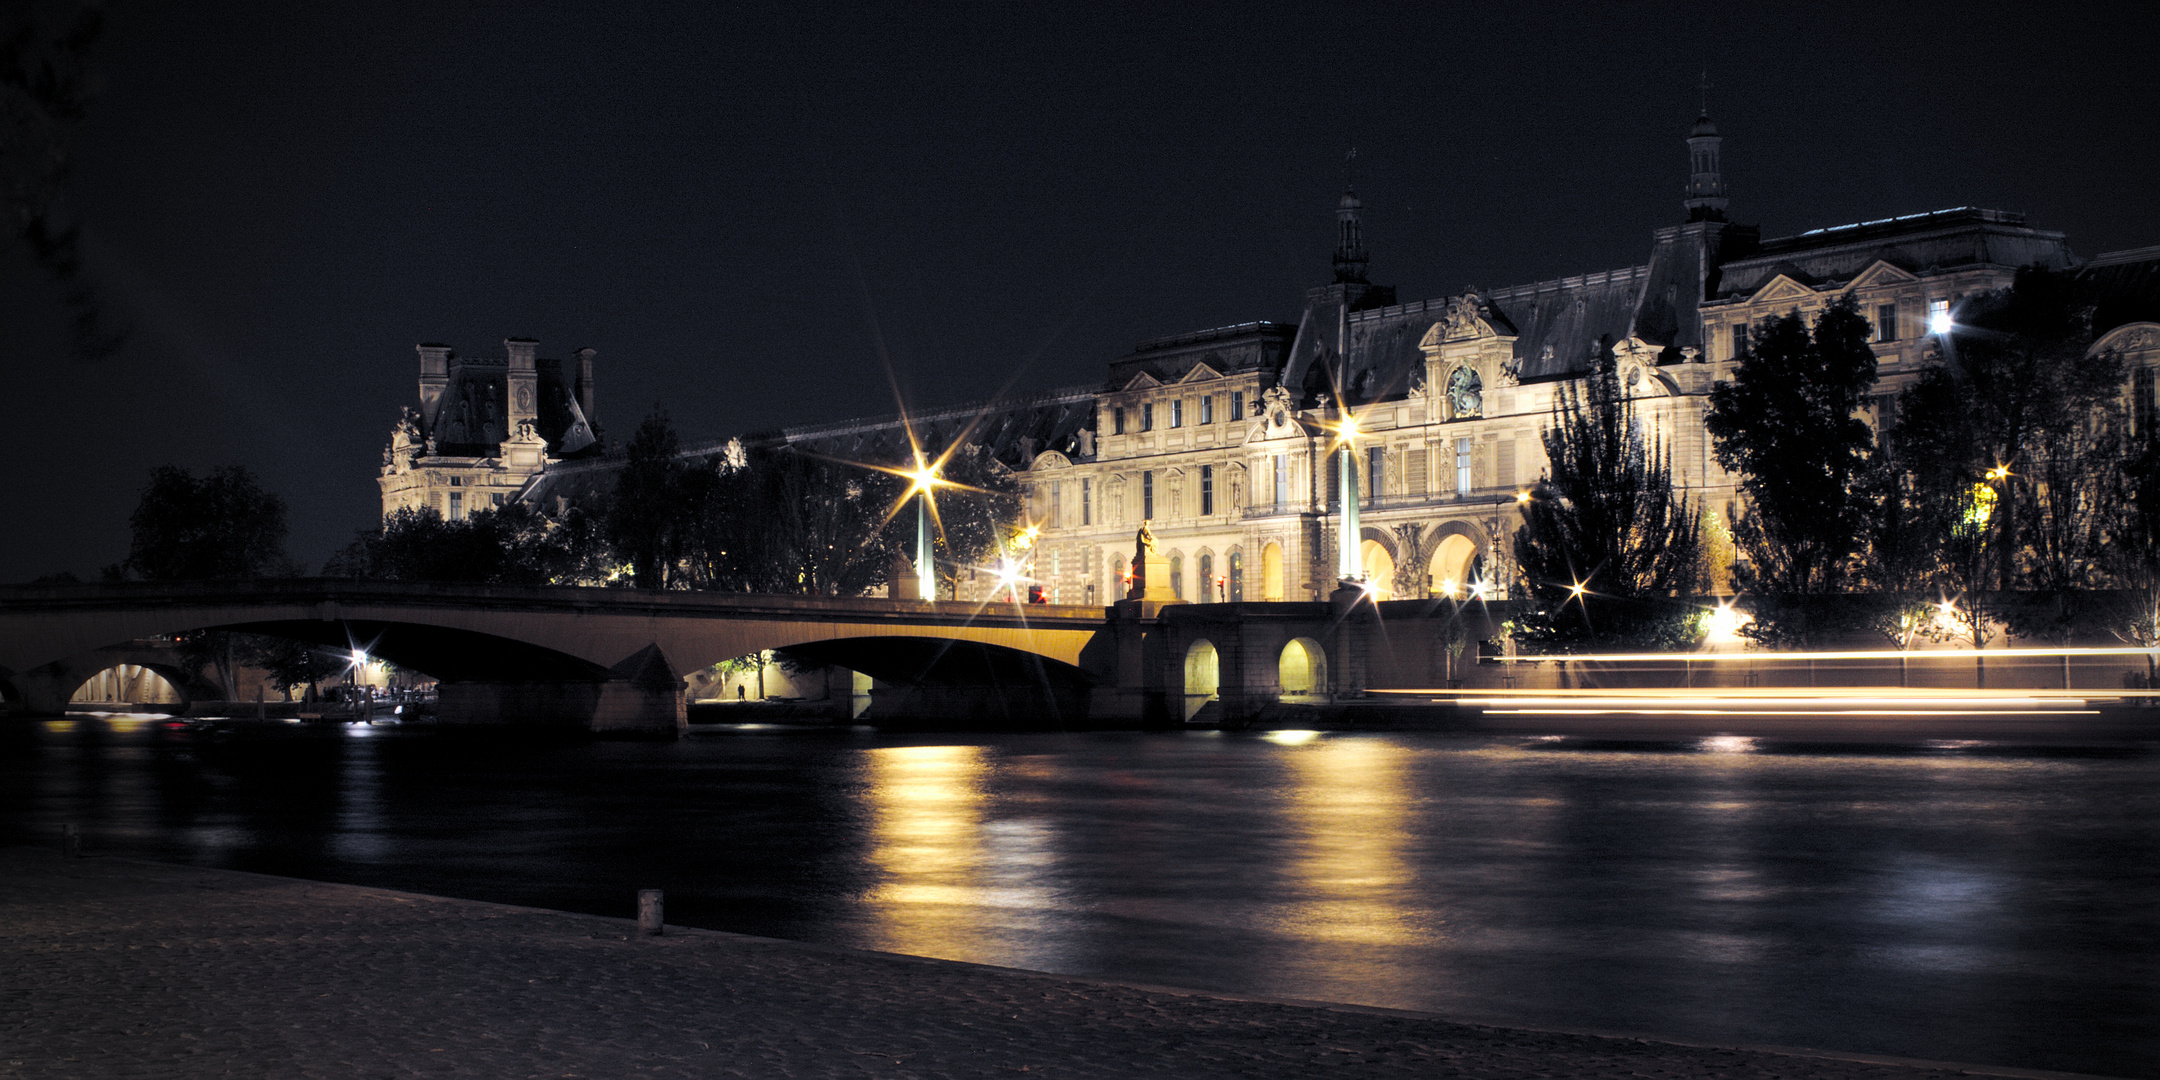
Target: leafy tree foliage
654,509
1788,424
45,88
508,545
2011,443
1607,548
223,525
783,521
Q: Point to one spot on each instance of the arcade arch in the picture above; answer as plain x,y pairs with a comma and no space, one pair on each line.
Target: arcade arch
1203,676
1302,669
1455,561
1271,571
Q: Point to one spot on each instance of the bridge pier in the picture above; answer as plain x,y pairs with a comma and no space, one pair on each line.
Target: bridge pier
642,697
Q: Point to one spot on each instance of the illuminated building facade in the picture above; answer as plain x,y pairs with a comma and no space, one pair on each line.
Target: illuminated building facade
1225,440
486,428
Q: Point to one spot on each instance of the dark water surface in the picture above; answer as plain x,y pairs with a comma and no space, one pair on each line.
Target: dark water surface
1968,903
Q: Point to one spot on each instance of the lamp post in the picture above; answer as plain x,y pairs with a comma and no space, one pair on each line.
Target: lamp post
1348,566
923,479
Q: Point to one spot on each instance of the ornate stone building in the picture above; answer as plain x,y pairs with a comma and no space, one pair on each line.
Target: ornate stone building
486,428
1223,439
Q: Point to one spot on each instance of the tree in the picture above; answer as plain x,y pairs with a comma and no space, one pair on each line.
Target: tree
780,520
513,544
45,84
1607,548
1788,423
2010,441
653,510
221,526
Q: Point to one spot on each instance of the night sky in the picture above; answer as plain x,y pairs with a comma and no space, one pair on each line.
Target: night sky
747,209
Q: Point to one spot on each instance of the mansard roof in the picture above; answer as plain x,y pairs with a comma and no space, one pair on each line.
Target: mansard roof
1916,243
1251,346
471,420
2123,287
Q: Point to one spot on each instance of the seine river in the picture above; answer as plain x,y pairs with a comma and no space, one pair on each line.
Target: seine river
1969,903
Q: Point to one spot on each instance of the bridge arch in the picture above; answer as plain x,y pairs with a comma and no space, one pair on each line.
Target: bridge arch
1203,676
1301,669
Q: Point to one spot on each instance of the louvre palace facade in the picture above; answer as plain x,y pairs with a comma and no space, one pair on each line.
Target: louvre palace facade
1222,440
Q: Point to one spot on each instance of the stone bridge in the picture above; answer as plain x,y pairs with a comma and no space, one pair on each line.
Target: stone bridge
612,660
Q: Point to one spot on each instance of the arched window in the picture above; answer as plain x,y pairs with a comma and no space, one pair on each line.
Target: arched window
1206,580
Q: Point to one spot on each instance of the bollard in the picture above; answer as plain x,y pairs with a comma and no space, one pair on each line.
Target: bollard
648,911
70,842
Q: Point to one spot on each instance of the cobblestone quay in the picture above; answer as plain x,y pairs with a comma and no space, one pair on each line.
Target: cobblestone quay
114,967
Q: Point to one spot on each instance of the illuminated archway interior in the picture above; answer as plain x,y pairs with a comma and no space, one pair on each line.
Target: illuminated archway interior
1303,667
1379,567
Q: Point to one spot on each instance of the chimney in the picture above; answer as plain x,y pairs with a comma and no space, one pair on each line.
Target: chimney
584,389
522,397
434,376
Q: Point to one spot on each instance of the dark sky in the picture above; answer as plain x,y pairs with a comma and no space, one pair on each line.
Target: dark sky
744,208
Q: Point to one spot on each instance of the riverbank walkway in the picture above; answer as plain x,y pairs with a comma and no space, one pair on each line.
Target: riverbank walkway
114,967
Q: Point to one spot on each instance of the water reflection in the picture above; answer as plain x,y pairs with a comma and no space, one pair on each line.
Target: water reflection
1957,903
952,881
1350,802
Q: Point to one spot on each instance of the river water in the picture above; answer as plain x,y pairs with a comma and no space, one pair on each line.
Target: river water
1963,902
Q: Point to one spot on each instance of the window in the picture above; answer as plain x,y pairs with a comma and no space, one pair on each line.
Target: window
496,499
1117,420
1282,481
1374,456
1147,496
1057,504
1147,416
1177,574
1739,340
1886,323
2142,406
457,504
1414,473
1938,316
1885,418
1462,466
1177,412
457,481
1207,408
1207,577
1087,502
1237,405
1207,494
1237,576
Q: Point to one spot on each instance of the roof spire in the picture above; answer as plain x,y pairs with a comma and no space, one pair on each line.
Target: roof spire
1350,257
1706,182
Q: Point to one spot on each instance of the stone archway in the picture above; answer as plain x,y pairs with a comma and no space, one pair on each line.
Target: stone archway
1378,565
1301,671
1455,558
1203,676
1271,571
132,684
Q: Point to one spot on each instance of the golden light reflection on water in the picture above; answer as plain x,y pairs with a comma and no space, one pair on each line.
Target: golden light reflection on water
1350,801
953,882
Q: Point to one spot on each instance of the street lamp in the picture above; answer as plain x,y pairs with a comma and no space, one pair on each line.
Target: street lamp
1348,566
920,482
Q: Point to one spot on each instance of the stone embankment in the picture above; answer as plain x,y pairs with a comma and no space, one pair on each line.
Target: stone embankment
113,967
